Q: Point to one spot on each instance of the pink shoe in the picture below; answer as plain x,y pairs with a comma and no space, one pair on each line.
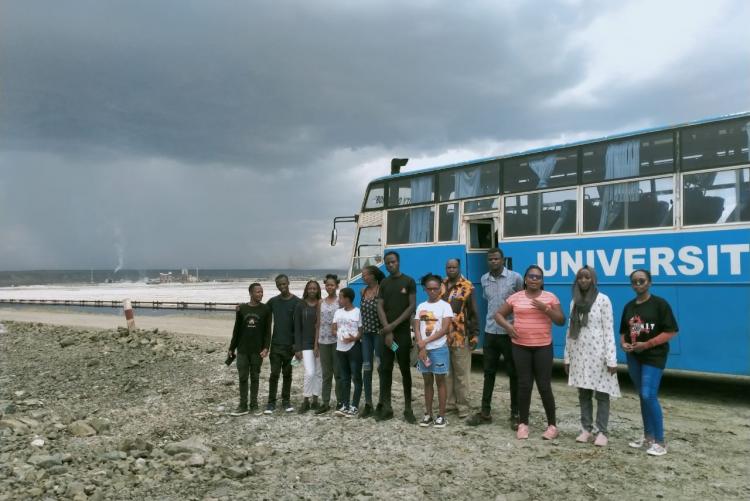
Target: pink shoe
551,433
584,437
523,432
601,440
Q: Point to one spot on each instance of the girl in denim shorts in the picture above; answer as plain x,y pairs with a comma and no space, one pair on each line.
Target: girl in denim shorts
431,324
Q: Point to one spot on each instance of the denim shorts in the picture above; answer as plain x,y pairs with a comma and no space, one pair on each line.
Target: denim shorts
440,359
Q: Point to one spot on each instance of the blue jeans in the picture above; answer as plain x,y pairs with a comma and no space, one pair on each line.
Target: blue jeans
350,366
646,379
370,353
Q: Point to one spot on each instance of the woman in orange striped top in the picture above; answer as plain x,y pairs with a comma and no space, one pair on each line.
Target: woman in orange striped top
534,310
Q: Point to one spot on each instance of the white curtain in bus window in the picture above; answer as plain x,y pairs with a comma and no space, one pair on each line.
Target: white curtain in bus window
546,213
548,171
469,182
543,168
408,226
448,222
644,156
415,190
652,208
716,197
621,160
715,145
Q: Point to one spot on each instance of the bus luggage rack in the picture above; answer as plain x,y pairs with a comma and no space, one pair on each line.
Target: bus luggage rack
98,303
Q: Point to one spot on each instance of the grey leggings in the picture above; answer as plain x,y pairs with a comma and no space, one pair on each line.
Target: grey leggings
587,410
330,365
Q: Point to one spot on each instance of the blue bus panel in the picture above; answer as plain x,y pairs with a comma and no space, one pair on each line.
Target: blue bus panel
705,276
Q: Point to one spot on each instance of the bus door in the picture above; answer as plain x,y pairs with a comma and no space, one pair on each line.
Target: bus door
481,235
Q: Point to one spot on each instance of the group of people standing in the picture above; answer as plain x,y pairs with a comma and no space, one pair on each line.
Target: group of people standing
340,343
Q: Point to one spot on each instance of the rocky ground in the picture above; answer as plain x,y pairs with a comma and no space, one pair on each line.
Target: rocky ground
103,414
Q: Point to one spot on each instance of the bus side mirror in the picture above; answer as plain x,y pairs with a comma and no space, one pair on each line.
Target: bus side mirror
334,236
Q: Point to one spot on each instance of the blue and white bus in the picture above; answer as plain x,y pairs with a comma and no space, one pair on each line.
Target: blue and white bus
674,200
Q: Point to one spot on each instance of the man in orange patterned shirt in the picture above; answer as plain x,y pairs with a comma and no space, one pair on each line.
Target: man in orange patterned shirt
462,335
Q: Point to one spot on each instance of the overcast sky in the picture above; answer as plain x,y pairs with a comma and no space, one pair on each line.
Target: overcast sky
229,134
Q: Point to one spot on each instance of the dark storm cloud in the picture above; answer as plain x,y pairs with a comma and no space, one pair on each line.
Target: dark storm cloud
273,83
222,134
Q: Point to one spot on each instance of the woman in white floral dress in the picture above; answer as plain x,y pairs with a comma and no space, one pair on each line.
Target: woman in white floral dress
590,357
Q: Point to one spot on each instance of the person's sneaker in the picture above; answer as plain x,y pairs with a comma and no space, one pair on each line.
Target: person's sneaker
462,413
584,437
351,412
426,421
478,419
523,431
656,449
322,409
386,413
601,440
288,407
366,411
241,410
550,433
304,407
341,411
514,420
639,443
254,407
409,416
270,409
440,422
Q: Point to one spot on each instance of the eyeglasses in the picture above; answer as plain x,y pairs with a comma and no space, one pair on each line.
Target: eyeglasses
533,276
638,281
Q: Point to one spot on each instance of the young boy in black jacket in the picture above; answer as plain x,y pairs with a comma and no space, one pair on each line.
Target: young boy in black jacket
250,342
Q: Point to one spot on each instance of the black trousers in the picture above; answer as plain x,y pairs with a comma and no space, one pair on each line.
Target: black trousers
281,363
385,370
495,346
248,366
534,364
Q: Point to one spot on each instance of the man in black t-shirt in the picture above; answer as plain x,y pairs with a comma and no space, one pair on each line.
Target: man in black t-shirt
397,299
282,345
250,340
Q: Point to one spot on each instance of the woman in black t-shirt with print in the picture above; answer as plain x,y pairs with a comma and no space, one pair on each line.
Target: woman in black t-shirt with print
646,327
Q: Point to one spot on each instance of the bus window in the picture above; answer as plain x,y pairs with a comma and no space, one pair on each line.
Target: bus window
715,145
470,182
411,226
644,156
544,213
368,251
544,171
484,205
716,197
375,197
481,234
413,190
448,222
635,204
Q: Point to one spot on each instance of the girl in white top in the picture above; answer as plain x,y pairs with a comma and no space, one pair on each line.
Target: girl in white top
347,325
431,324
590,357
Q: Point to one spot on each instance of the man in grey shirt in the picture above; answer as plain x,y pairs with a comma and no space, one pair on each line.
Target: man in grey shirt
497,285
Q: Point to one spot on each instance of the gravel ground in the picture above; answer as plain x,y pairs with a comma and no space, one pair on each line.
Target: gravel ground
103,414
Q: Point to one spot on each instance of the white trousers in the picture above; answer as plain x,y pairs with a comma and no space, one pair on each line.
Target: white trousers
313,381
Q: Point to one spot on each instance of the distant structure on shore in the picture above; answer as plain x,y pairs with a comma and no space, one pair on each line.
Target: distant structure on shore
168,278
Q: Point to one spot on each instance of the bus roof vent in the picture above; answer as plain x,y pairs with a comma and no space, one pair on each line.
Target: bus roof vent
397,163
